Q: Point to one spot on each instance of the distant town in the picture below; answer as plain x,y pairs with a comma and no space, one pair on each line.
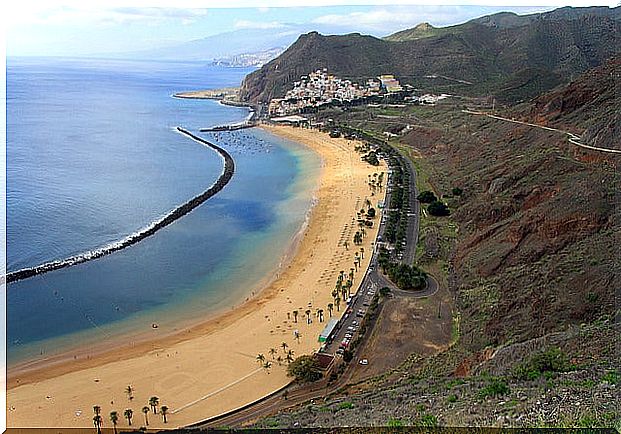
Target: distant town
320,88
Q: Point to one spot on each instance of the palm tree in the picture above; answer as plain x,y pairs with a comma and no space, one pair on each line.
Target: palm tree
129,390
153,402
164,411
96,410
296,335
273,352
128,413
346,244
97,422
330,307
114,418
308,318
267,366
260,358
279,360
362,252
295,316
145,410
351,274
284,346
289,356
368,203
337,301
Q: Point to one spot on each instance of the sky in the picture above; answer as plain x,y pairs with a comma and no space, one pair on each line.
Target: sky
82,28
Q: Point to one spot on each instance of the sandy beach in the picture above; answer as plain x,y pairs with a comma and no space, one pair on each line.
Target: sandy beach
212,367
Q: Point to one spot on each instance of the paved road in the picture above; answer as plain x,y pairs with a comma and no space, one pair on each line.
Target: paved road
572,138
372,281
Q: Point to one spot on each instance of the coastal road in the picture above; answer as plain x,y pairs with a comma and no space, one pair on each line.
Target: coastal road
372,281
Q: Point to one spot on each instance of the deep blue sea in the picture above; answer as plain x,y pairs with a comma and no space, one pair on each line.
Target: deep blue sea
92,156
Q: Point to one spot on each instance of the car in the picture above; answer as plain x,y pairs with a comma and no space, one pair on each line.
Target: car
350,328
364,362
340,351
345,344
348,336
354,323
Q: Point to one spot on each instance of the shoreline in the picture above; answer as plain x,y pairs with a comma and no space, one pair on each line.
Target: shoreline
214,355
144,341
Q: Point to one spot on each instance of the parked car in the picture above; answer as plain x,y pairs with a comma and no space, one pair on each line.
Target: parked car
364,362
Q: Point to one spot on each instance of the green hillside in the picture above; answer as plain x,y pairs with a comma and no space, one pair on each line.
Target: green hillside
512,61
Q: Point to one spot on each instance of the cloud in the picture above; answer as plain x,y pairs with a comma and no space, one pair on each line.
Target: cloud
390,19
161,12
245,24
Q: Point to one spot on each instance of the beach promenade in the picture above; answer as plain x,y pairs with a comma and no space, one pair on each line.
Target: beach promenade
212,367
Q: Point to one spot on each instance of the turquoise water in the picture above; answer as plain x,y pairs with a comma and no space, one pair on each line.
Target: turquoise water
92,157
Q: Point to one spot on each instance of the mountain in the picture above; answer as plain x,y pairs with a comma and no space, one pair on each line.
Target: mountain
257,59
589,105
529,258
423,30
514,61
234,43
506,20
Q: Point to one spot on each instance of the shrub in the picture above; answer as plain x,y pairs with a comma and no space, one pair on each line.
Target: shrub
457,191
305,369
407,276
428,420
452,398
384,291
346,405
347,356
611,377
438,209
495,387
427,197
543,363
371,213
394,423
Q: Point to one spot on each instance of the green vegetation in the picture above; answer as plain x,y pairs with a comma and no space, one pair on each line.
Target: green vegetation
496,387
394,423
452,398
456,191
542,363
371,158
438,209
384,291
427,420
305,369
427,197
611,377
407,276
345,405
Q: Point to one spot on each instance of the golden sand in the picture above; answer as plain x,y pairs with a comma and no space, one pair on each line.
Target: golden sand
211,368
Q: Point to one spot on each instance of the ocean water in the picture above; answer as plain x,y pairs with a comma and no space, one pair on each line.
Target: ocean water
92,156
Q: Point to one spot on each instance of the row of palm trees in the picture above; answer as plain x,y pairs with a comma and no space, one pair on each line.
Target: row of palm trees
129,413
288,356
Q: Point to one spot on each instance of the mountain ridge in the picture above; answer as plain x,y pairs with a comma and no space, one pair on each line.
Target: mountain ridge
514,62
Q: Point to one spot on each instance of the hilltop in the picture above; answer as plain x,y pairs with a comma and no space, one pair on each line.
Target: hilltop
512,57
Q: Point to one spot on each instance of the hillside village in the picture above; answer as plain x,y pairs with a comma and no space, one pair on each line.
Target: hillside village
320,88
